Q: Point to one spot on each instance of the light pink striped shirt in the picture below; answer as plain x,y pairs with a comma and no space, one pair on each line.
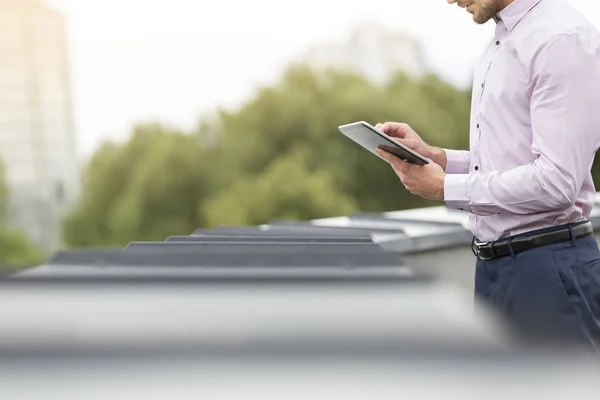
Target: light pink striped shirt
535,124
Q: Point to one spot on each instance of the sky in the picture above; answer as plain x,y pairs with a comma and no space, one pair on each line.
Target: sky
175,60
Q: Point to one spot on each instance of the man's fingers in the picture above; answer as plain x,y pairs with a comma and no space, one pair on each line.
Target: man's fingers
385,128
389,158
396,129
400,165
385,155
395,162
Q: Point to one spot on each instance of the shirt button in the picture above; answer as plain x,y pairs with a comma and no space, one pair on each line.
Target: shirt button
498,43
477,168
477,126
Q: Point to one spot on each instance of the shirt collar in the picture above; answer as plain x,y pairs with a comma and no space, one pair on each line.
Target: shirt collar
512,14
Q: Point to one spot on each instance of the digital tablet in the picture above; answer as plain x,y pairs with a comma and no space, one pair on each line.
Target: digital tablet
372,139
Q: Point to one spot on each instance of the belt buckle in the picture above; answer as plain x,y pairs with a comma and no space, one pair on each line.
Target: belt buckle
475,249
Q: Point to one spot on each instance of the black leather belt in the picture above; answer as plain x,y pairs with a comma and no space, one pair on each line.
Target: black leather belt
521,243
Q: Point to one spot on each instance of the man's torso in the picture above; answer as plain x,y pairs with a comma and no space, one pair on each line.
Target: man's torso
501,131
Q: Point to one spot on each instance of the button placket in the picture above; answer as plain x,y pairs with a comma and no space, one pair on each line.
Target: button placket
487,62
494,47
491,54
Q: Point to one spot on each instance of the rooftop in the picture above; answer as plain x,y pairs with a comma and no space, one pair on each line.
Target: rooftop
293,307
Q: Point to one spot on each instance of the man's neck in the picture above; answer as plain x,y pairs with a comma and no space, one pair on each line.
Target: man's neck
504,4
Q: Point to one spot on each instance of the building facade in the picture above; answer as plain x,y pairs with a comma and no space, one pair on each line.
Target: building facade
371,51
37,131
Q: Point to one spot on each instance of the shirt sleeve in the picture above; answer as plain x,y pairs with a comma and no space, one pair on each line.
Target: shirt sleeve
565,119
457,161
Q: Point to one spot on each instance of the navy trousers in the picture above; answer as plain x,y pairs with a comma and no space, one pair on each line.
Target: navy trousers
549,295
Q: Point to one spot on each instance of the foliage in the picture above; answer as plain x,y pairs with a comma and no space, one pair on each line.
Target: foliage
144,190
302,114
279,156
3,193
287,189
16,251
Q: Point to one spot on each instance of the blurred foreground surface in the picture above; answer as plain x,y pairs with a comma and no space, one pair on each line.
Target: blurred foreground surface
320,309
269,340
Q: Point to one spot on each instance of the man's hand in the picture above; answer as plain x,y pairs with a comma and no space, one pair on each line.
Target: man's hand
426,181
404,134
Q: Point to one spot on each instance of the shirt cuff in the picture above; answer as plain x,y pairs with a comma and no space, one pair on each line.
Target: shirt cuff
457,161
455,192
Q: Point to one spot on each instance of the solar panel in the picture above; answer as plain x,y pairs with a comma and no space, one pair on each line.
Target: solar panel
424,235
441,214
306,230
218,247
212,259
271,238
206,254
321,225
258,254
275,258
398,218
379,224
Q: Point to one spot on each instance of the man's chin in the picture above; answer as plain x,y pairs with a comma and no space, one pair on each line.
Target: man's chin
480,19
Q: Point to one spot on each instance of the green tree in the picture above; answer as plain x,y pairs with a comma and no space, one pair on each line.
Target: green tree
16,250
3,194
278,156
301,114
286,190
146,189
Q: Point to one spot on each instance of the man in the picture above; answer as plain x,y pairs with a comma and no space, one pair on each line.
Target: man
526,181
